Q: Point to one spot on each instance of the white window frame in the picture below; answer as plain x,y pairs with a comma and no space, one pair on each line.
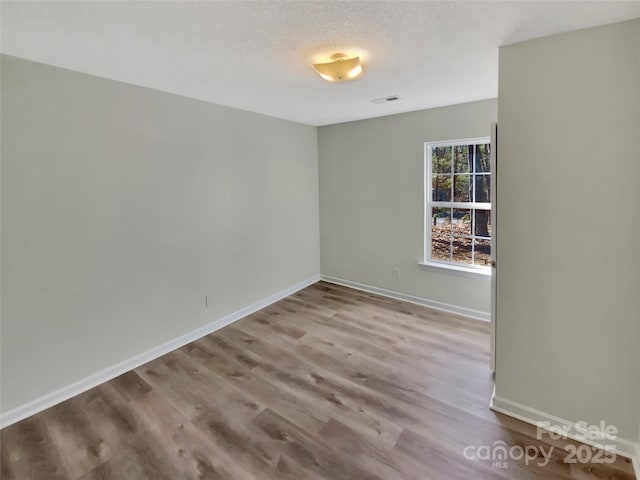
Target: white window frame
429,263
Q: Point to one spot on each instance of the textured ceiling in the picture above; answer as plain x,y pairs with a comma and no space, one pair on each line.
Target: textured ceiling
257,55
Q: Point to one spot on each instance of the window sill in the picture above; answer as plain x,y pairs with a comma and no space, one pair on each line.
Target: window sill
461,271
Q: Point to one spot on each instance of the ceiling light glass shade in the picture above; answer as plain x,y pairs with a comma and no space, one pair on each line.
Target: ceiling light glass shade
341,68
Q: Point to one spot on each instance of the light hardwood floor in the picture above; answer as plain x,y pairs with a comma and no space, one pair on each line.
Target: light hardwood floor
330,383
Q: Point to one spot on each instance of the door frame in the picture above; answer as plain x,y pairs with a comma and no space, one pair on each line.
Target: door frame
493,196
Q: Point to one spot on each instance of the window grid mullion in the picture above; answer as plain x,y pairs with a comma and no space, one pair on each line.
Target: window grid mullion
473,214
451,235
467,205
453,178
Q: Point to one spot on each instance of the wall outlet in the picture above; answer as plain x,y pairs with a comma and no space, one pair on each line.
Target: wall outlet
207,301
395,272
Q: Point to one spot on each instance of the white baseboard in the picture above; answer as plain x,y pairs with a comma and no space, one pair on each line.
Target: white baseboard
39,404
622,446
446,307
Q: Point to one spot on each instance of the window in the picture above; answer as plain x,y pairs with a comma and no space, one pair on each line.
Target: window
458,205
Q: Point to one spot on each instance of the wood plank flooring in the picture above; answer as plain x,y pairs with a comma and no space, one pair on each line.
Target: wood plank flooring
327,384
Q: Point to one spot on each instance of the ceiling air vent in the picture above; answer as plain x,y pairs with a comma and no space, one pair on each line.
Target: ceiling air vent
392,98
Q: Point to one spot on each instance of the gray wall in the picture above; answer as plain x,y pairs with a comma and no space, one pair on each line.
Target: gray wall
122,207
372,195
568,340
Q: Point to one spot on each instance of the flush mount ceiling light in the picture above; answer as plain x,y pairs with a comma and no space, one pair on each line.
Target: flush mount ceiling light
340,68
